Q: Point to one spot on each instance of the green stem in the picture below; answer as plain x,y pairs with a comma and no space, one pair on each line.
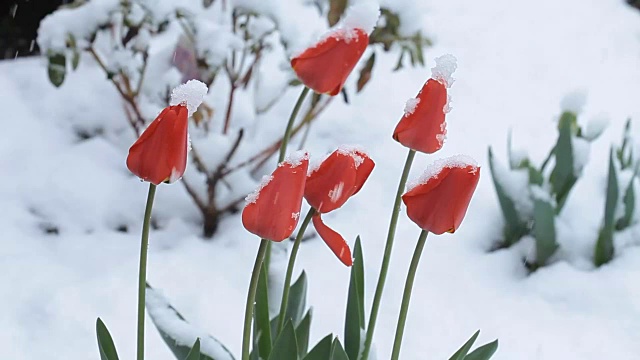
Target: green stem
292,119
292,261
251,297
406,297
142,275
384,268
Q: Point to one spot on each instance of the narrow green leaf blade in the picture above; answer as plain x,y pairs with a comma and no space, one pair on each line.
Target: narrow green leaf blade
286,346
322,350
562,177
604,250
194,354
515,227
354,318
544,230
177,333
302,334
105,343
484,352
262,324
337,351
297,299
464,350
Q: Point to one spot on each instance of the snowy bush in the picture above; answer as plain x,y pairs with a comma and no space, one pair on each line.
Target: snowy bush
239,49
530,196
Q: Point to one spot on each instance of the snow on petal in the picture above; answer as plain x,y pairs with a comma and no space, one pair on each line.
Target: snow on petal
189,94
252,197
362,15
432,172
446,65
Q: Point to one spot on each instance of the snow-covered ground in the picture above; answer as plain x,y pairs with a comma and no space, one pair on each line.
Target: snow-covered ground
516,60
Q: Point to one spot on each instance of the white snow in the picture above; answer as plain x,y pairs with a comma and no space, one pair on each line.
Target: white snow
432,171
253,197
295,158
189,94
446,65
362,15
516,185
595,126
574,101
355,151
410,106
580,149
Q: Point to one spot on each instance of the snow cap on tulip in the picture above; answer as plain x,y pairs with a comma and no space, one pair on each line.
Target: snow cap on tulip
325,66
273,209
438,200
160,153
422,126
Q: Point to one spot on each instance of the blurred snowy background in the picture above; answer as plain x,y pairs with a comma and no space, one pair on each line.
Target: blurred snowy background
71,225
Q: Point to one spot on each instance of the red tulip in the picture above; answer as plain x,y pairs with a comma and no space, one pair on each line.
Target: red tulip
423,127
272,211
160,153
340,176
325,67
438,201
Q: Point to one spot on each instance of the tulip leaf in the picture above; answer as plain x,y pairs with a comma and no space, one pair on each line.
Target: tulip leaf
177,333
514,227
57,68
105,343
629,202
563,177
262,325
603,252
354,323
322,350
297,299
337,351
624,153
286,346
194,354
302,334
484,352
365,72
544,230
464,350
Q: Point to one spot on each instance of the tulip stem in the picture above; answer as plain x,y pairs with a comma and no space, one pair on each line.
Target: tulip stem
142,275
406,297
251,297
384,268
292,119
292,260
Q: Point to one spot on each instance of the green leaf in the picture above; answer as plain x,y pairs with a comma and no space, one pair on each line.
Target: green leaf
354,319
302,334
173,329
624,155
105,342
515,227
462,352
337,351
484,352
286,346
262,325
563,177
194,354
57,68
75,59
322,350
629,201
297,299
544,230
604,250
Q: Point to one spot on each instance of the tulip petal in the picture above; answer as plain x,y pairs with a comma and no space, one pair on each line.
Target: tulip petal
335,241
363,171
160,153
423,127
273,211
440,204
331,184
325,67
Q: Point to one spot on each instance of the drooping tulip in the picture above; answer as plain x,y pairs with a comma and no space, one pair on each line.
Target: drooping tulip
325,66
273,209
340,176
438,200
160,153
423,127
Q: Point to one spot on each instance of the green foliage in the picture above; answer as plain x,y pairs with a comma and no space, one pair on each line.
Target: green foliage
286,345
302,334
464,349
105,343
322,350
629,202
625,153
57,68
563,176
337,351
194,354
604,245
354,319
262,324
297,299
484,352
544,231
